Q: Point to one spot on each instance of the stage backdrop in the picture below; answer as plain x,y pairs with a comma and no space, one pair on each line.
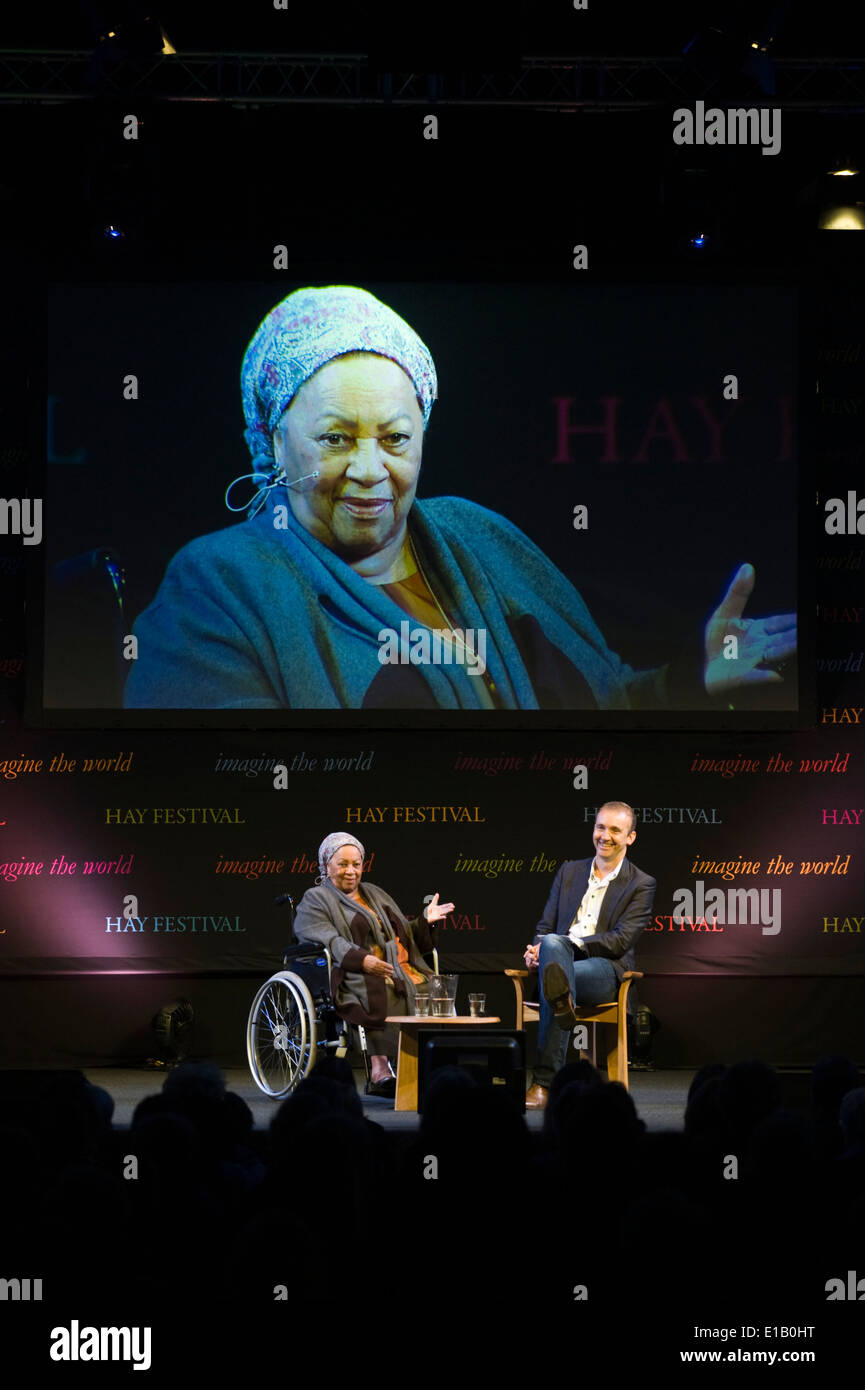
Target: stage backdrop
137,864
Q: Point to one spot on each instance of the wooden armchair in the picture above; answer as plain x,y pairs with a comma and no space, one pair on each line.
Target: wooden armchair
613,1015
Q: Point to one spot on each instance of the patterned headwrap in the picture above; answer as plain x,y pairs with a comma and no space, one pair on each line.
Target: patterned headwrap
309,328
329,846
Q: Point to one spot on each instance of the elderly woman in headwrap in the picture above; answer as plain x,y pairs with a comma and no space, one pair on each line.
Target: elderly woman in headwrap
376,956
299,606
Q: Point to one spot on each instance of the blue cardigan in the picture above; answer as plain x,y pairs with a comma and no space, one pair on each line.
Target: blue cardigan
264,617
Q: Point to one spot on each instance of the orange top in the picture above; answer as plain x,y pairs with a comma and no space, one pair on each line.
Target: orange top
401,953
402,956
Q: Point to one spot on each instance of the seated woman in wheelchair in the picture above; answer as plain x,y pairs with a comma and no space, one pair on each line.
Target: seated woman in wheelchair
378,964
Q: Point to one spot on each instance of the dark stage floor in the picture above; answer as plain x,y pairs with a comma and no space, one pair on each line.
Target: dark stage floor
659,1097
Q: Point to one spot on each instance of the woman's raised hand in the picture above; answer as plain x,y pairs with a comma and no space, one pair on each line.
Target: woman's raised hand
434,910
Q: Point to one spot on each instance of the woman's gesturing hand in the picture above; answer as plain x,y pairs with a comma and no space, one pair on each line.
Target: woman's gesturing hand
761,644
373,966
435,911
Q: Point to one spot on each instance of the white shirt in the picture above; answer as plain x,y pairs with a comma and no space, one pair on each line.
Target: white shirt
585,922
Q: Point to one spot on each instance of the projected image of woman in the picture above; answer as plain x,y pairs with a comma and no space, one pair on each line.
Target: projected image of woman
343,590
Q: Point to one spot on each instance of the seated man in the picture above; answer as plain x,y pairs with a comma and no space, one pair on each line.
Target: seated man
584,942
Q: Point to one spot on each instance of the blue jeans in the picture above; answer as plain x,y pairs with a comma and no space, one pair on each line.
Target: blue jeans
591,980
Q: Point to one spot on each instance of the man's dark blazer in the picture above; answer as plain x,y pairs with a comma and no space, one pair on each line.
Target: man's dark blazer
626,910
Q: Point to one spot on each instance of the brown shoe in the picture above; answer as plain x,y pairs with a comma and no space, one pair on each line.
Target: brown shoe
537,1097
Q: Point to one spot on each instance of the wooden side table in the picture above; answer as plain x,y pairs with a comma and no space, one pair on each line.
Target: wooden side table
410,1026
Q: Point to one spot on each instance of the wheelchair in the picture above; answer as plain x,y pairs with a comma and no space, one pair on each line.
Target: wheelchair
293,1018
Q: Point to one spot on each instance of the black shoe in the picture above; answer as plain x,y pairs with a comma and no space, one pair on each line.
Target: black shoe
386,1089
558,996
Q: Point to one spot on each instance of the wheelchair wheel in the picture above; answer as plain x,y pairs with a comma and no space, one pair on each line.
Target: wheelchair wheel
281,1035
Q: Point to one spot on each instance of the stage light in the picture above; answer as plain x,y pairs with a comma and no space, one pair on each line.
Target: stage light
642,1027
113,233
692,208
846,218
172,1028
734,54
843,203
843,168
